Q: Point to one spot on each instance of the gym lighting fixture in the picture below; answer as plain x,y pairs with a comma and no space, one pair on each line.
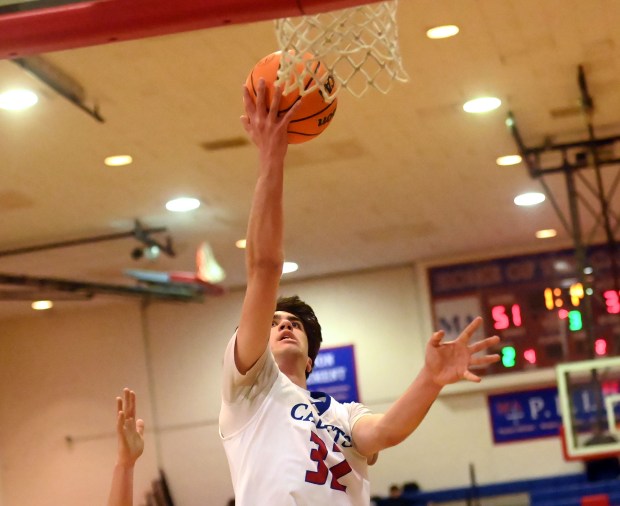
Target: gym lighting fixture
289,267
118,160
182,204
546,233
529,199
482,104
508,160
442,32
17,100
41,305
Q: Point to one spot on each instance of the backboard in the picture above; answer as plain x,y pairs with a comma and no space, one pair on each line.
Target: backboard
589,397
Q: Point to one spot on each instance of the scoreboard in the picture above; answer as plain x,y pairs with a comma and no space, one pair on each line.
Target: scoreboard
538,305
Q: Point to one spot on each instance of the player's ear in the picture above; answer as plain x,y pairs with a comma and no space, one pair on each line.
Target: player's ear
309,365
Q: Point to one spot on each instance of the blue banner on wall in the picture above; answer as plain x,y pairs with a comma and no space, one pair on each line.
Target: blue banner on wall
334,373
516,416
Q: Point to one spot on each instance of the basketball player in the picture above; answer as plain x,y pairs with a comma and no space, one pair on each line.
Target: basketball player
130,434
285,445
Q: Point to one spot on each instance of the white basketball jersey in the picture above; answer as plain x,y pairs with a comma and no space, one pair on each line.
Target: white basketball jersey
285,445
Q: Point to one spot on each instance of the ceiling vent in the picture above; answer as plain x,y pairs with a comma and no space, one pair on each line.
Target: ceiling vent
231,142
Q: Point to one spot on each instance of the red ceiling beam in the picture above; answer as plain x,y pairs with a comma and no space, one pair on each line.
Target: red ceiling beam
102,21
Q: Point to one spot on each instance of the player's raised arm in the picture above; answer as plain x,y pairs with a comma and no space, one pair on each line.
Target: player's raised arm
264,251
130,433
445,363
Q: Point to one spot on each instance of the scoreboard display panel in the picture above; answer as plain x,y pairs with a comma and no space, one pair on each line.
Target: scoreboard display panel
544,312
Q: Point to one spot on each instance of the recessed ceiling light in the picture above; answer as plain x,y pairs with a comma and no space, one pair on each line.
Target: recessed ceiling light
546,233
40,305
508,160
16,100
482,104
182,204
529,199
289,267
241,243
442,32
118,160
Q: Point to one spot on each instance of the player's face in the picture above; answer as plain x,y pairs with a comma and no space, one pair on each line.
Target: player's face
287,331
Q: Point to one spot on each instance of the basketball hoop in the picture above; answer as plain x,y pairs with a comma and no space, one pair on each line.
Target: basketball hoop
358,45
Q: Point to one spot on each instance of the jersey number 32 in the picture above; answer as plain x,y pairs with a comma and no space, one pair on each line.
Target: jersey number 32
318,455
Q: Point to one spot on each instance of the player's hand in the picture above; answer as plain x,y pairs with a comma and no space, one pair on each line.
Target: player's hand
130,431
261,121
449,362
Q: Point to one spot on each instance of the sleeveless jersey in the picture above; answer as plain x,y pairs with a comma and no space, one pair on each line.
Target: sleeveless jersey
286,445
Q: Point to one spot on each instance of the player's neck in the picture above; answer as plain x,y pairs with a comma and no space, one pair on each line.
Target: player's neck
293,371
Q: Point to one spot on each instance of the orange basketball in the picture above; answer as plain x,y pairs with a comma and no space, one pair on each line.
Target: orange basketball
314,114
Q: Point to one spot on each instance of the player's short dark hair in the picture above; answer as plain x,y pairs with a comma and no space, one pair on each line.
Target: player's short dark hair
304,312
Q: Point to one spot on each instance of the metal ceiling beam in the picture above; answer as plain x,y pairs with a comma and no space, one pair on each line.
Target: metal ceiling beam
138,232
60,82
34,294
574,155
172,292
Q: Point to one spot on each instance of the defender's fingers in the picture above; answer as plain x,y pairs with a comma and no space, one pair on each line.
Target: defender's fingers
120,421
128,403
140,426
126,399
119,404
132,400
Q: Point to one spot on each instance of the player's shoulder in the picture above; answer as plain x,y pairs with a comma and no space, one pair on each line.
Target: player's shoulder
324,402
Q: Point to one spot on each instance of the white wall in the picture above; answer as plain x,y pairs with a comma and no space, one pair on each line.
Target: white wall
1,493
60,373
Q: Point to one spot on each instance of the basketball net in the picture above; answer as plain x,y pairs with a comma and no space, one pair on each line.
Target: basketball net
358,45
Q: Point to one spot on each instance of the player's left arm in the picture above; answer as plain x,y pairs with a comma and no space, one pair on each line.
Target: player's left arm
445,363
